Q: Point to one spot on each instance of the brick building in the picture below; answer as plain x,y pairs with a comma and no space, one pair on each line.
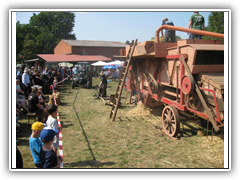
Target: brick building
86,47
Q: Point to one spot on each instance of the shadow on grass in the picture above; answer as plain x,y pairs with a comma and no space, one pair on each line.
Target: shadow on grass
92,163
80,123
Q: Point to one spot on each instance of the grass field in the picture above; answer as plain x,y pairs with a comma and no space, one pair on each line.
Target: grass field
92,140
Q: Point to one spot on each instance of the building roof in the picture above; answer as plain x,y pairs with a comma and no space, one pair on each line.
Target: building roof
95,43
72,58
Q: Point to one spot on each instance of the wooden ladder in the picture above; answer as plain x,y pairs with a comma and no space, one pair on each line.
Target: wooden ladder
122,80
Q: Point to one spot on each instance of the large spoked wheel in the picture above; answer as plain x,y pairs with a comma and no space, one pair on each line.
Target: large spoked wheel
171,121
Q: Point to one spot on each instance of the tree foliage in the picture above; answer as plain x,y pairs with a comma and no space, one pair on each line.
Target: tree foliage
43,33
215,24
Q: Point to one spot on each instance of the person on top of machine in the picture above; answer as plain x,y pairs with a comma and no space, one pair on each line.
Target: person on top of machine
168,33
196,22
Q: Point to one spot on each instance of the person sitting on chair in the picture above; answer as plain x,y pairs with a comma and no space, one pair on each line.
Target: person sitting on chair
102,85
34,105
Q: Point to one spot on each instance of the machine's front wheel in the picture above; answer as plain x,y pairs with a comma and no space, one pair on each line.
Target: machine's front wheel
171,121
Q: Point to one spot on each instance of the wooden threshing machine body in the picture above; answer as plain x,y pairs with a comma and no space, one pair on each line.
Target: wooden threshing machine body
185,76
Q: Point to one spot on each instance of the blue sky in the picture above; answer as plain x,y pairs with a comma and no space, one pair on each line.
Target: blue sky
122,26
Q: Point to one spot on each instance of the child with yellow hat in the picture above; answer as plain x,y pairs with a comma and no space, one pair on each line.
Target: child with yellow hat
35,143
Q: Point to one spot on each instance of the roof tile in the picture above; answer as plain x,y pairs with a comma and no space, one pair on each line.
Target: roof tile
72,58
94,43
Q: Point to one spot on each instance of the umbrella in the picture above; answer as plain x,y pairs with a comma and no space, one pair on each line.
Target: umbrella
63,64
109,67
118,65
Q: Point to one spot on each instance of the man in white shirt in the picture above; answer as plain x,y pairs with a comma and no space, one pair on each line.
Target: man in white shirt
106,73
26,82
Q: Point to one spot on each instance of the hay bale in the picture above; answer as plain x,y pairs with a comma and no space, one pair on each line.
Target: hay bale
57,96
140,110
200,133
151,115
51,100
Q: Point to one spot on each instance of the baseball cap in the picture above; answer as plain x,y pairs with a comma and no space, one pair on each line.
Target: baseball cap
37,126
47,134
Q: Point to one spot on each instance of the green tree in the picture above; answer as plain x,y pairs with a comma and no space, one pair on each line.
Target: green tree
43,33
215,24
24,33
46,43
59,24
29,46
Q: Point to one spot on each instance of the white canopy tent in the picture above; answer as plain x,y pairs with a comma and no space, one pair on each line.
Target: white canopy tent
99,63
116,62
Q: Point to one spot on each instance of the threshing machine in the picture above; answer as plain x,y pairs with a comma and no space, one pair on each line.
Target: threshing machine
187,75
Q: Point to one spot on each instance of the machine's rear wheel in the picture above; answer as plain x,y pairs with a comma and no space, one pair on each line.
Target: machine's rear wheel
171,121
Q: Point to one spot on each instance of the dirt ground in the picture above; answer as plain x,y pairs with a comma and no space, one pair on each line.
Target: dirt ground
133,140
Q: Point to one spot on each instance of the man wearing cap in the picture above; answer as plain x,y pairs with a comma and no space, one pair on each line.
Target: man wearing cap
35,143
196,22
168,33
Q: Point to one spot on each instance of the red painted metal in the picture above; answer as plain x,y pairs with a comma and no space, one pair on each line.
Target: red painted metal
215,101
176,56
186,84
204,115
181,75
174,103
167,101
183,104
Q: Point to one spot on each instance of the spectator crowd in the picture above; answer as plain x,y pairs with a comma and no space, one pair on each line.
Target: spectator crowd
31,86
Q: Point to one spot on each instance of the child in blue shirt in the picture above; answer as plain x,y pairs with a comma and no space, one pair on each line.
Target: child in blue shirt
48,156
35,144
